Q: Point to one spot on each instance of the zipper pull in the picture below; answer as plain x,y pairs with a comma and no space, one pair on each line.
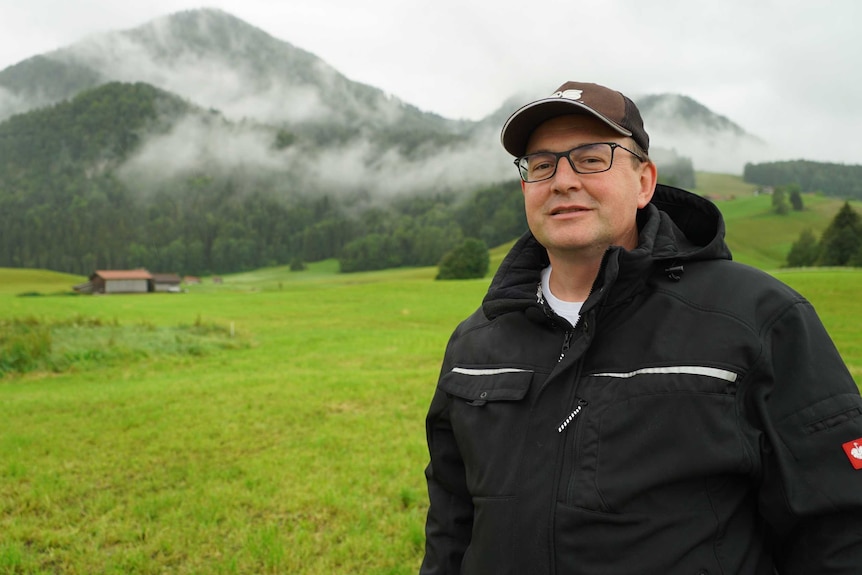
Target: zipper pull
581,404
567,342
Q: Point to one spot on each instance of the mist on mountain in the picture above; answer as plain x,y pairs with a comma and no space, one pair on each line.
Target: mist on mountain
354,167
677,122
346,136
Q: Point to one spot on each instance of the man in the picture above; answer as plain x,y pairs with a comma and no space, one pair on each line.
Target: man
628,400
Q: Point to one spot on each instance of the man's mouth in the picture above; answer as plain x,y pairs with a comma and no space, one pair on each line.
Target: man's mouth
567,210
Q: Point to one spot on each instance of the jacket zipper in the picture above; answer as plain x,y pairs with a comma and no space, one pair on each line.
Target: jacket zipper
582,403
567,343
570,426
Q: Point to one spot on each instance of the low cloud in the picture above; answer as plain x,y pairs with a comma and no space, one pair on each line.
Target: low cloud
12,104
714,152
210,145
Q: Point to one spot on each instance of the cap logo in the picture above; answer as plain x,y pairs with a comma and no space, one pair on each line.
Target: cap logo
854,452
569,94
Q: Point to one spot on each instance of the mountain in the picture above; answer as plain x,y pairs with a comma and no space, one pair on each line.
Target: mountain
199,144
359,138
218,61
679,123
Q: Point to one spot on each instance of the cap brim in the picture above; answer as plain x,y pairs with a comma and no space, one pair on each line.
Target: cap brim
520,125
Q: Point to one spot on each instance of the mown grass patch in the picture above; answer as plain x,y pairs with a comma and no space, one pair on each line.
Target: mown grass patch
36,282
79,342
722,186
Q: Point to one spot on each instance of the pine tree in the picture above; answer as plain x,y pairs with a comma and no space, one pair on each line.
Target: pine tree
842,239
796,197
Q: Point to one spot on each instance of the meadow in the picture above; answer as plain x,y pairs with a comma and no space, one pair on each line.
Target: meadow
270,424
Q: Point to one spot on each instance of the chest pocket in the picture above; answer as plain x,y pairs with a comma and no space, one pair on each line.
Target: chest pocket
489,414
478,386
654,429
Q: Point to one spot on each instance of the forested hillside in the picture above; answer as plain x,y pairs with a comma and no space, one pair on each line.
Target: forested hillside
102,125
65,206
836,180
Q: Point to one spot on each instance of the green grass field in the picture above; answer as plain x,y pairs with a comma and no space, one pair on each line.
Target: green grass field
270,424
299,452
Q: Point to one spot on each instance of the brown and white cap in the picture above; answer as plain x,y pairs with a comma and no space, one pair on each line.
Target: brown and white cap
609,106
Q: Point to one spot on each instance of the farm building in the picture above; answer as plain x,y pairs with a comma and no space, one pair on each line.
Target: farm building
166,282
119,281
129,281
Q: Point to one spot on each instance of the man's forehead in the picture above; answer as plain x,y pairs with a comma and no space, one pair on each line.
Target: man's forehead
574,126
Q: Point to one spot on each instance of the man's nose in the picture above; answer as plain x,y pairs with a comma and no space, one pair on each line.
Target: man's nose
565,176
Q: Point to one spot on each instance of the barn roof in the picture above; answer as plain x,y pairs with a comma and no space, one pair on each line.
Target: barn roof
166,278
122,274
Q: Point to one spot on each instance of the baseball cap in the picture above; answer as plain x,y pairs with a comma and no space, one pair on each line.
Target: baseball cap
609,106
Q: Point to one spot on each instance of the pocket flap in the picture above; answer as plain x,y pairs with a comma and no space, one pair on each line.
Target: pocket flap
480,385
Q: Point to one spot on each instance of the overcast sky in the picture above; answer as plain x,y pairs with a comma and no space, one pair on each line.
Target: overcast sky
785,70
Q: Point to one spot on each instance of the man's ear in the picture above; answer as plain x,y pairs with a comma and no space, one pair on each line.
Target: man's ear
648,180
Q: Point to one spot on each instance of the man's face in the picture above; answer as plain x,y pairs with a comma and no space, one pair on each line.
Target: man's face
575,214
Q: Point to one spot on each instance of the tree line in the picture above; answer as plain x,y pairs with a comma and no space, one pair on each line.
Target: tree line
835,180
206,225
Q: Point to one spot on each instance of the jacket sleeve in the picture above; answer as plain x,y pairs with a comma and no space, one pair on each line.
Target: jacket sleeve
809,410
449,523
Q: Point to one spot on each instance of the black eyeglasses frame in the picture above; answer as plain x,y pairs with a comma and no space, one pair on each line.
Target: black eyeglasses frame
567,154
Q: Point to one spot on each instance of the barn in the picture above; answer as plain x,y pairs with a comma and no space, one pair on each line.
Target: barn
166,282
118,281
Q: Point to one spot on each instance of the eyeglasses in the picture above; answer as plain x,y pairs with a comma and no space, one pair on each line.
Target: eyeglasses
586,159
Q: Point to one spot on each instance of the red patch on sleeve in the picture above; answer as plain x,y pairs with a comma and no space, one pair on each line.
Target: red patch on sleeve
853,449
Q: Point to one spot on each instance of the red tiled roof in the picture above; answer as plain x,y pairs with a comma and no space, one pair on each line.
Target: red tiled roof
122,274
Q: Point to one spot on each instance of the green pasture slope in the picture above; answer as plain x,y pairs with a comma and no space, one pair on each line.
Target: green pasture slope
270,424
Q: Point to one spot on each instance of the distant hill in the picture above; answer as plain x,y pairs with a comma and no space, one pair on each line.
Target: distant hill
715,142
41,81
837,180
96,128
678,113
361,140
216,60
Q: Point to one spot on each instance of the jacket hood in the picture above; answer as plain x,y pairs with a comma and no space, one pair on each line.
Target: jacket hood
675,227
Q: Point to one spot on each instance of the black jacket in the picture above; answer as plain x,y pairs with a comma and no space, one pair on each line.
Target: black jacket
693,422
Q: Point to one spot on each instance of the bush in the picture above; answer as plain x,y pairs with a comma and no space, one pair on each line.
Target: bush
805,251
24,344
297,265
780,204
467,261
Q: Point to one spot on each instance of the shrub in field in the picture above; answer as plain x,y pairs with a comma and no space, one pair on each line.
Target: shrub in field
24,344
466,261
28,344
